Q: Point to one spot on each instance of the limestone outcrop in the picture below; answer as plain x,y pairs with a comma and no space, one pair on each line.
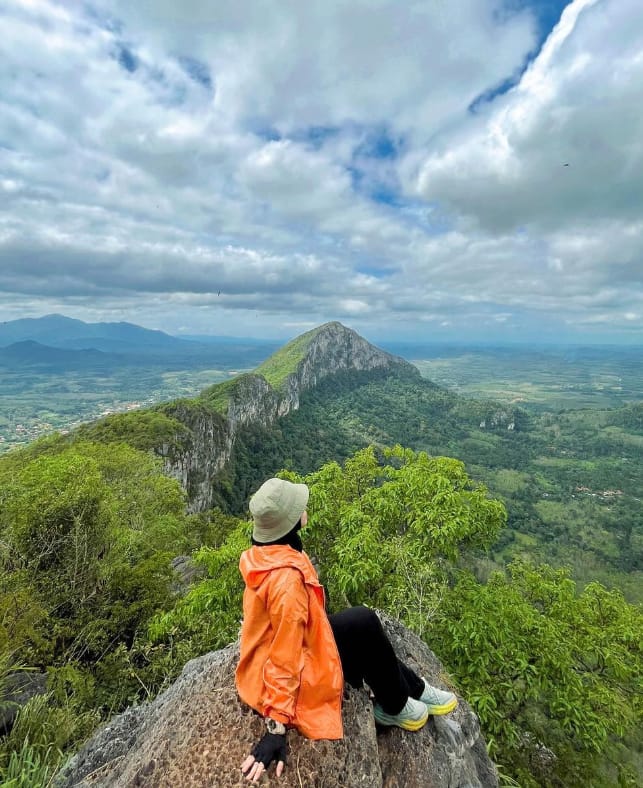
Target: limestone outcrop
20,687
197,732
332,349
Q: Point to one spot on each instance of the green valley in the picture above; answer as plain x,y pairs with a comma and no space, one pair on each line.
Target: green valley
539,379
35,403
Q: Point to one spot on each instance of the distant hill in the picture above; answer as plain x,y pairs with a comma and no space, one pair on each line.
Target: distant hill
65,332
571,478
216,339
56,360
121,344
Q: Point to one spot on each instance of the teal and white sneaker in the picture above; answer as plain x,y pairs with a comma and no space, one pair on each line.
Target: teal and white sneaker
412,717
437,701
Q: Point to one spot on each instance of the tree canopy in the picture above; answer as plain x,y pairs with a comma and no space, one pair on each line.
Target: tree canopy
87,593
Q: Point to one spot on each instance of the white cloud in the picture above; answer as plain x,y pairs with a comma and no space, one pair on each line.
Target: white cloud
330,62
566,144
318,161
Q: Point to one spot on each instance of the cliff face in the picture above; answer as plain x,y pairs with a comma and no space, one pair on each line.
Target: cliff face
197,732
335,348
297,368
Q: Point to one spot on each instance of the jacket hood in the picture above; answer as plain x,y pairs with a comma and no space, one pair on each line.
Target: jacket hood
256,562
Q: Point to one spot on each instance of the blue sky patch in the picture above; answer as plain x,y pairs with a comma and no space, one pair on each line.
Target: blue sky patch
384,195
379,190
315,136
379,272
197,70
370,172
503,86
547,15
267,133
379,143
126,58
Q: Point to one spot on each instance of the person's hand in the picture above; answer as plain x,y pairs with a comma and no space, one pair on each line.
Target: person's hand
271,747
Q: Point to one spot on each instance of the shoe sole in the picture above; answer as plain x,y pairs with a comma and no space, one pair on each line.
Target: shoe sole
445,708
407,725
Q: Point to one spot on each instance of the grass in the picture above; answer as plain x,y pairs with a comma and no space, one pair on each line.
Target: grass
553,512
218,396
625,437
29,768
507,481
286,360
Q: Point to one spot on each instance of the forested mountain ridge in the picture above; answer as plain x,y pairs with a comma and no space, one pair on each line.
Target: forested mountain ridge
198,439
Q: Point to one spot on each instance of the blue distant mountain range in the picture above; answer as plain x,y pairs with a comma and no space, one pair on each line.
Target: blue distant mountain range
65,332
62,343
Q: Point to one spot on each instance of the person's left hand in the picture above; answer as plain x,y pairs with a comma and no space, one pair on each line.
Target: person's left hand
271,747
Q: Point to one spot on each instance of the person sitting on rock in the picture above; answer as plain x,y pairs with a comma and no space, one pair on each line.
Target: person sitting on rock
294,658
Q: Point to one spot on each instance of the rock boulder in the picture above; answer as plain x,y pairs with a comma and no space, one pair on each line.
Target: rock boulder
197,732
20,687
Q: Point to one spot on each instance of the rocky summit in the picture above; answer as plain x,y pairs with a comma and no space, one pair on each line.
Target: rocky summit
196,733
260,398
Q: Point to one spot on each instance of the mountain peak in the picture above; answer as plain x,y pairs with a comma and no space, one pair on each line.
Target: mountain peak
323,351
274,390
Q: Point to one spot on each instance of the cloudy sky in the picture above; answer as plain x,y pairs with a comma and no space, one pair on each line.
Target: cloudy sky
436,169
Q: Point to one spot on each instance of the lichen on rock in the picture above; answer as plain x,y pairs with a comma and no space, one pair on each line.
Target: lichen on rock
197,732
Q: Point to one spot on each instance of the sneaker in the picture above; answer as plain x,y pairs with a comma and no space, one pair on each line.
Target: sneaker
438,701
411,718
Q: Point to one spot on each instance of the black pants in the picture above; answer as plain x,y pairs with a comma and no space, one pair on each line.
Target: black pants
367,655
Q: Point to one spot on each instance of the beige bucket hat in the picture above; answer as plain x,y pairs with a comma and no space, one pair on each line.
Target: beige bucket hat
276,507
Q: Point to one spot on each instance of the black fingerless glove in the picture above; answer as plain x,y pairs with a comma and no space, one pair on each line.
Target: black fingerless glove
272,747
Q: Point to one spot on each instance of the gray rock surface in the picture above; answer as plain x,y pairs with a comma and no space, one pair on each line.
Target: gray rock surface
196,733
186,572
21,686
334,349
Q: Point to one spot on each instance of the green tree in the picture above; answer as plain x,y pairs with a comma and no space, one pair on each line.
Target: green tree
544,666
87,535
388,521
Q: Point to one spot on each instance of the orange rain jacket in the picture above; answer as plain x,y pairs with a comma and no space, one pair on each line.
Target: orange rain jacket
289,668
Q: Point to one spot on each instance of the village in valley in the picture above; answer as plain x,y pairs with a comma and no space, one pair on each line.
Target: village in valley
15,433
